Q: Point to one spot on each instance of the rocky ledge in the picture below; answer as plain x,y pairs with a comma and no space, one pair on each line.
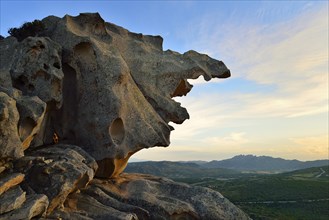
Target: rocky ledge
76,101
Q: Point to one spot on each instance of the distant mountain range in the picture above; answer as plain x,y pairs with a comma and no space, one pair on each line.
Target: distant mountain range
263,163
222,168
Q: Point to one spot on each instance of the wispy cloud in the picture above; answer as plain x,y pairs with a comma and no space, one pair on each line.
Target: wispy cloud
291,56
233,139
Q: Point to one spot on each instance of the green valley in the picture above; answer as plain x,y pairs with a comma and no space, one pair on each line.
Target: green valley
302,194
298,194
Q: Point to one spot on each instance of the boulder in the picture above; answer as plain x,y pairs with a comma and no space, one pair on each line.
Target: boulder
32,111
100,87
75,104
57,171
141,196
21,118
10,144
118,88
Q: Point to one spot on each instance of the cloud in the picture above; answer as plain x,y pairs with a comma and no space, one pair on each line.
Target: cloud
291,55
217,148
233,139
290,58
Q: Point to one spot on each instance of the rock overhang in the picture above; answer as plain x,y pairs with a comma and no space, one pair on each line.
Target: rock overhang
113,88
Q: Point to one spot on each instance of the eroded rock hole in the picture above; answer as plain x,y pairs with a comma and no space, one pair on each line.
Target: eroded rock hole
31,87
86,57
20,83
69,110
84,50
26,126
117,131
57,65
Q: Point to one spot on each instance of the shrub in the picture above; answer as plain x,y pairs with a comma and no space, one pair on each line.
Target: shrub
32,29
2,37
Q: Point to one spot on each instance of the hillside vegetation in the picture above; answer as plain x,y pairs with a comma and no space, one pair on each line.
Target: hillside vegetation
176,170
302,194
298,194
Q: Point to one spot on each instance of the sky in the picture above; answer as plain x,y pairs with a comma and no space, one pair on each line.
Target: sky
275,103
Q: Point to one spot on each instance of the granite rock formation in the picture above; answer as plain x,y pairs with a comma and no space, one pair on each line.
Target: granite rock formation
75,103
140,196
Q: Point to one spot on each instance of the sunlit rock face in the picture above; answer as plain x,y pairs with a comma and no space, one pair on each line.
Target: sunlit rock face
30,82
75,103
106,89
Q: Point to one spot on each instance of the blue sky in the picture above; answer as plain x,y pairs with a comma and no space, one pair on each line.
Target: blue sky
275,103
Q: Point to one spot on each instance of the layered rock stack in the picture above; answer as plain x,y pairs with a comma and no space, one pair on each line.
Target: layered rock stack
75,103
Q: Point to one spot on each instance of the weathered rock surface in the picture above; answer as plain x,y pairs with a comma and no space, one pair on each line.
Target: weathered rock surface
8,181
12,199
31,76
34,206
106,89
120,85
21,118
36,69
77,103
96,210
10,144
57,171
141,196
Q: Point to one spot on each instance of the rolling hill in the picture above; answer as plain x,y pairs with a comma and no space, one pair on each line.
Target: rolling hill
298,194
176,170
222,168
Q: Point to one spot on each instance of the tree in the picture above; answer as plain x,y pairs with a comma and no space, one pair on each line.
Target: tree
32,29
